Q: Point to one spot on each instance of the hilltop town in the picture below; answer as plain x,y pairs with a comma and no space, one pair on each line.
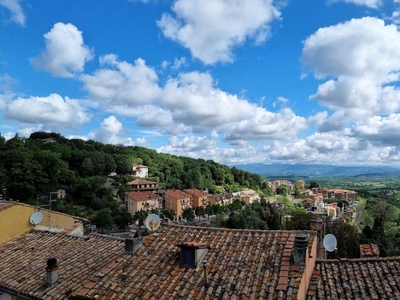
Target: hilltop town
235,235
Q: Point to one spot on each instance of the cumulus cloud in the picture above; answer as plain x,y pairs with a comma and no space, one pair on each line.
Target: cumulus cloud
111,132
14,6
368,3
52,112
211,29
122,82
65,54
379,130
189,103
363,57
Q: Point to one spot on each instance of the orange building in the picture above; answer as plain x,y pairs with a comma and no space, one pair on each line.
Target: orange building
200,198
177,201
147,201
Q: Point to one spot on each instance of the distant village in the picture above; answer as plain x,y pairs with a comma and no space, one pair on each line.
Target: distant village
146,195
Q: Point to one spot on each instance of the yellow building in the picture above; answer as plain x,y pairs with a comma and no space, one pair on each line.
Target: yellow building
15,220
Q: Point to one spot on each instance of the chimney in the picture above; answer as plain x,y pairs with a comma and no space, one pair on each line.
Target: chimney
133,244
51,272
300,249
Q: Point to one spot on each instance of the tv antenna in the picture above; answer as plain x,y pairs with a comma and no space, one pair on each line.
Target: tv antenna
152,222
330,242
36,218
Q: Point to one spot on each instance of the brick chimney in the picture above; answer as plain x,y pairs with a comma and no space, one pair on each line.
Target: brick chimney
300,249
369,250
51,272
133,244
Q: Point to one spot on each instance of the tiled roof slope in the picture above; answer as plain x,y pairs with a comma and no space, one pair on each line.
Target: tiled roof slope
23,262
242,264
373,278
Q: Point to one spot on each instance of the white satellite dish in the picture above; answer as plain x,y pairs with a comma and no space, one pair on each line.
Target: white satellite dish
36,218
330,242
152,222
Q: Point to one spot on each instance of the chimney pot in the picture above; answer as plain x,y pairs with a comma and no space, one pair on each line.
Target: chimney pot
300,249
132,245
52,272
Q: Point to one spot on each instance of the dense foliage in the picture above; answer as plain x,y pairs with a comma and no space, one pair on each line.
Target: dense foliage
45,162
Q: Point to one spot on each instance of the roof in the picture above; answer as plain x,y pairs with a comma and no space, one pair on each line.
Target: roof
196,192
373,278
177,194
143,196
23,262
242,264
141,181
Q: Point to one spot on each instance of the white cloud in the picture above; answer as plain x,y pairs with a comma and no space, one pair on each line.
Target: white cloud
14,6
211,29
379,130
110,132
265,125
190,103
178,63
65,54
364,56
52,112
122,82
368,3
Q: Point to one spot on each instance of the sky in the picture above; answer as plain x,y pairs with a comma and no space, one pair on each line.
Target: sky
255,81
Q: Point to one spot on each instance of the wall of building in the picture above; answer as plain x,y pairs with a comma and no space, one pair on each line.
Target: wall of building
310,264
14,220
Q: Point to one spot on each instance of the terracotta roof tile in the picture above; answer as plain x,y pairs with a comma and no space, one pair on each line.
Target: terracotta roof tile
242,264
23,262
373,278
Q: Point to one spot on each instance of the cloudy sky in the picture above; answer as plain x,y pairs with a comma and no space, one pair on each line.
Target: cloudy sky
234,81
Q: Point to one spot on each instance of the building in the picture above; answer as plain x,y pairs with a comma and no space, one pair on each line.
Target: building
200,198
249,196
372,278
185,262
147,201
28,270
177,201
140,185
275,183
15,220
140,171
221,199
300,184
340,194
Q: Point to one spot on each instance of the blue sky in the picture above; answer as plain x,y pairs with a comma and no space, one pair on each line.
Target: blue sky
234,81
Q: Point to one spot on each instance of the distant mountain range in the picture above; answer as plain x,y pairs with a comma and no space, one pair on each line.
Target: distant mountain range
311,171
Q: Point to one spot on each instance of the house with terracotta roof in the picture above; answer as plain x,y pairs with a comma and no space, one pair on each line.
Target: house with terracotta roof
221,199
140,171
147,201
200,198
44,265
177,201
187,262
15,220
141,185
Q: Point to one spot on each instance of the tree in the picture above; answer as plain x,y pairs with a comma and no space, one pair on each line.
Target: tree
104,219
140,216
199,211
188,214
282,190
209,211
236,221
123,219
313,184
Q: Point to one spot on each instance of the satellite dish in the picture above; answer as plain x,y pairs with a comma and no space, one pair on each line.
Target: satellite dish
36,218
330,242
152,222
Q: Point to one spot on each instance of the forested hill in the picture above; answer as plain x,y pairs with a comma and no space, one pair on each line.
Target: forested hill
45,162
